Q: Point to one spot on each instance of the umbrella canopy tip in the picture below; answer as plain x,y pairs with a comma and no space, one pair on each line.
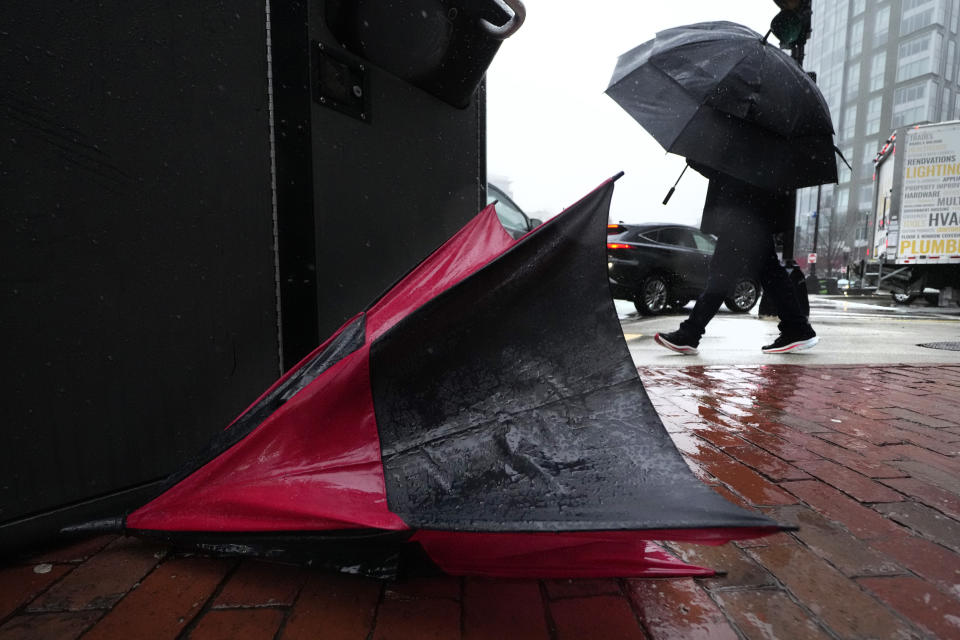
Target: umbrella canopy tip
617,177
104,525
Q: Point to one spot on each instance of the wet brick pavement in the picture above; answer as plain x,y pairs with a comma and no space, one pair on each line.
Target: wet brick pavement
864,460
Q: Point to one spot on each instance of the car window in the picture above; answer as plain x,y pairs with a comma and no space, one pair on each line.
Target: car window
677,236
638,235
511,217
704,242
635,235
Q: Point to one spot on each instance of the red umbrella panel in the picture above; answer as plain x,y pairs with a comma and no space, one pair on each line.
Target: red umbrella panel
484,414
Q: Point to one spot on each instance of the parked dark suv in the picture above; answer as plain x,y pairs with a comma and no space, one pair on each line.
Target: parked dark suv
665,265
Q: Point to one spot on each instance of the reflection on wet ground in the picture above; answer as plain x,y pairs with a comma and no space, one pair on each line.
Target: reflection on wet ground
864,460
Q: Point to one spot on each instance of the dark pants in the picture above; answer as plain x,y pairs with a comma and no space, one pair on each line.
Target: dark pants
748,249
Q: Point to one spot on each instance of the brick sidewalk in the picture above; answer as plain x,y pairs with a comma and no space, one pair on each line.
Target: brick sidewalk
863,459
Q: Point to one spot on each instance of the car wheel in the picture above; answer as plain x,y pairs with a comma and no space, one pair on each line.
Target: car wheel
902,298
745,294
652,297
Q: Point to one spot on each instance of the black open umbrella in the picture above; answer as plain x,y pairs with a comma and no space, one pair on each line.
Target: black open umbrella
717,93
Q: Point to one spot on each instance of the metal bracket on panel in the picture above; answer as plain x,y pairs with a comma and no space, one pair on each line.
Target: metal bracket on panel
339,82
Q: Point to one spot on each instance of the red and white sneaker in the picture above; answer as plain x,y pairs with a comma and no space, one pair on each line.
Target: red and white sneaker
788,342
677,341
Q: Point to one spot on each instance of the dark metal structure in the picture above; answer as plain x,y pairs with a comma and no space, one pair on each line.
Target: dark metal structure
185,212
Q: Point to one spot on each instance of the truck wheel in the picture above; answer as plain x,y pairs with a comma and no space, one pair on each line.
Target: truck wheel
745,294
652,297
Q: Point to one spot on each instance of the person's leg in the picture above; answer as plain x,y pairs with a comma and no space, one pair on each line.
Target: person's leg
796,334
776,283
729,259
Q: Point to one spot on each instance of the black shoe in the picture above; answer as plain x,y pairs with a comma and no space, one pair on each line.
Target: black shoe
793,341
677,341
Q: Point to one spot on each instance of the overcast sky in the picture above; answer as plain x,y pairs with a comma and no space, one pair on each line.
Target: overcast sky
554,134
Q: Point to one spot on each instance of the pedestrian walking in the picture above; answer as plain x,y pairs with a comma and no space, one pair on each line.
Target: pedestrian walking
748,117
744,217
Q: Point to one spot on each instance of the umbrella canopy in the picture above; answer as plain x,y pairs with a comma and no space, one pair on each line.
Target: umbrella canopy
718,94
486,411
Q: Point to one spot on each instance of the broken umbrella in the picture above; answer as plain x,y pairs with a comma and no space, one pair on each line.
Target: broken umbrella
484,413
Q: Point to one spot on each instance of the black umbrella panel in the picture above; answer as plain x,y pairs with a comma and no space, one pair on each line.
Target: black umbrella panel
485,409
719,94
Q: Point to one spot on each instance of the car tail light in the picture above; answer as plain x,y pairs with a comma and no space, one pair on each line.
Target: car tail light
618,245
615,228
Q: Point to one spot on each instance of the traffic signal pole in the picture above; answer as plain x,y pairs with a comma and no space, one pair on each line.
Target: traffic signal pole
792,28
789,237
816,234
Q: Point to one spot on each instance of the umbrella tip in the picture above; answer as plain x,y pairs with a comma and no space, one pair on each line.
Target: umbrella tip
764,38
617,177
104,525
836,150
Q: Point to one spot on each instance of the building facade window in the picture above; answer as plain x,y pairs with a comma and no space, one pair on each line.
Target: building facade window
865,168
916,21
826,200
914,57
843,199
806,199
881,26
917,14
872,121
849,122
951,54
853,81
831,78
912,5
877,68
856,38
858,6
870,148
945,104
911,104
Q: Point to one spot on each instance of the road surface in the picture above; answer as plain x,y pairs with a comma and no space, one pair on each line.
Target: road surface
851,331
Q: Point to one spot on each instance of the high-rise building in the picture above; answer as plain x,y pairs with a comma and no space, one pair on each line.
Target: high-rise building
881,64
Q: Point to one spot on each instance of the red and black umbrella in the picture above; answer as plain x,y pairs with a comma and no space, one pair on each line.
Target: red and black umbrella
485,411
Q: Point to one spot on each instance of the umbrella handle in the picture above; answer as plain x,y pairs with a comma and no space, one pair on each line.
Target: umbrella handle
674,187
517,13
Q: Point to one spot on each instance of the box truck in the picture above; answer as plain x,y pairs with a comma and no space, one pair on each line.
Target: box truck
916,243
